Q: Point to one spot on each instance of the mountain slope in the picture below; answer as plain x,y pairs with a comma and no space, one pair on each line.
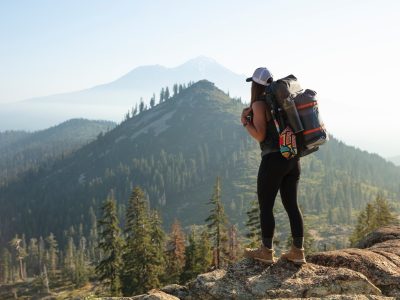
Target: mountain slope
395,160
111,101
175,151
20,150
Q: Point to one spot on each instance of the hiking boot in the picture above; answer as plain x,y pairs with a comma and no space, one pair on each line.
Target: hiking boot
263,254
295,255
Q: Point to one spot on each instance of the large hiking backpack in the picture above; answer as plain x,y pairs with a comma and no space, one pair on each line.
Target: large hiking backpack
297,108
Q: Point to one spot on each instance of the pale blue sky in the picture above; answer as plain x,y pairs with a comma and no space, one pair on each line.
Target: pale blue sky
346,50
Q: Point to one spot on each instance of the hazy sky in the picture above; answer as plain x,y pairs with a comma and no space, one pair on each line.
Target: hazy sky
346,50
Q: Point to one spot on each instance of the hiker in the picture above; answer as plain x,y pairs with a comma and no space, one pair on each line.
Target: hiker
275,173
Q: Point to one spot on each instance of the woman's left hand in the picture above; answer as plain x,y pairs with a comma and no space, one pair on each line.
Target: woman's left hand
246,111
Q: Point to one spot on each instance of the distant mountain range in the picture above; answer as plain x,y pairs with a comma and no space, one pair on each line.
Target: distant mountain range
112,100
395,160
21,151
175,151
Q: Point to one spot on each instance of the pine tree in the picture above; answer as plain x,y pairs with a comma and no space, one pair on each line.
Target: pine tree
153,101
175,89
5,265
166,95
158,260
141,105
93,238
377,213
175,252
217,223
69,260
162,96
111,243
20,254
81,269
127,115
198,255
52,248
33,257
189,270
253,225
203,253
384,213
134,110
234,247
141,256
42,253
365,224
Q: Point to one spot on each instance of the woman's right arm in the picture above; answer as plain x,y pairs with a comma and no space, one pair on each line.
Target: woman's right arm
258,127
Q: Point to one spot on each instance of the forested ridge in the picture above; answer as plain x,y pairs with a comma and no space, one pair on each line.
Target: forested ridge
21,151
174,150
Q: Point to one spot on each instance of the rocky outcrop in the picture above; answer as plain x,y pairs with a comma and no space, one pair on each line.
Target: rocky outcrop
153,294
379,236
369,272
379,261
250,280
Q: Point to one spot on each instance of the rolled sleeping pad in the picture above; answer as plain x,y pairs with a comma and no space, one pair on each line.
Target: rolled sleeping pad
285,90
293,118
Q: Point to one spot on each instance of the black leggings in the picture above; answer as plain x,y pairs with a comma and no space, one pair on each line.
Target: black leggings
278,173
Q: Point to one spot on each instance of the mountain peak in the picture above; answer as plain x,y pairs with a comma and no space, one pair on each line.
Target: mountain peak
201,59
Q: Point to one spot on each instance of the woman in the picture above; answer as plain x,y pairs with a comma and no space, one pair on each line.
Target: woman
275,173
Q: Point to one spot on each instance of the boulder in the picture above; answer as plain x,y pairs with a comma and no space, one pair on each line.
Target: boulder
379,262
380,235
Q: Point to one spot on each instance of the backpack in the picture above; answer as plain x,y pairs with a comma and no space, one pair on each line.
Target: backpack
295,112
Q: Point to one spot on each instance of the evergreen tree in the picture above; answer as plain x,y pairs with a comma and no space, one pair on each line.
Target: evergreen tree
175,89
203,253
253,225
157,235
365,224
134,110
111,243
52,248
141,105
166,95
234,247
175,252
198,255
42,253
69,260
162,96
33,257
217,223
153,101
384,213
20,254
141,260
81,269
127,115
93,238
377,213
5,265
189,270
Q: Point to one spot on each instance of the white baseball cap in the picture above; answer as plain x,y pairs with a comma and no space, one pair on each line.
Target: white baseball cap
262,76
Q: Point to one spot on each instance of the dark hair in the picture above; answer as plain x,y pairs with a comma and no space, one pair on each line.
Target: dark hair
257,93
